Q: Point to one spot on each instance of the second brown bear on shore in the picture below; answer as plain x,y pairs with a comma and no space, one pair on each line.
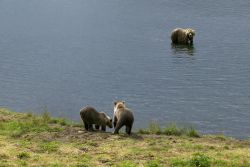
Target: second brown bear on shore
122,117
90,116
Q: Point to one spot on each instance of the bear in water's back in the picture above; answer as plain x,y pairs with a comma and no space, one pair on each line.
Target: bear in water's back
90,116
122,116
182,36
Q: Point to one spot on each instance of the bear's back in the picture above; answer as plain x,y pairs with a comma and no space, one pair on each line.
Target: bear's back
125,115
89,114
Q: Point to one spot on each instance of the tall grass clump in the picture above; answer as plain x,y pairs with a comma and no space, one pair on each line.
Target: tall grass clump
23,155
191,132
172,129
60,121
46,117
154,128
177,162
200,160
143,131
197,160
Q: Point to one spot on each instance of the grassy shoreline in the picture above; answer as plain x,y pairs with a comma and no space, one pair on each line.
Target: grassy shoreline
30,140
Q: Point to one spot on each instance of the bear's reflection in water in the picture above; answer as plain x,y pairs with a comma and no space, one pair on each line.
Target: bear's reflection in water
180,49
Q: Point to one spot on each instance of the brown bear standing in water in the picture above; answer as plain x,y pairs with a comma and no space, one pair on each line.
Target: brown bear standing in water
182,36
90,116
122,116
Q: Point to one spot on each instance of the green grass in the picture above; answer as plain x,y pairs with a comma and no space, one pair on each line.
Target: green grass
23,155
41,140
170,130
154,163
49,147
60,121
154,128
191,132
127,163
197,160
28,123
178,162
46,118
200,160
19,128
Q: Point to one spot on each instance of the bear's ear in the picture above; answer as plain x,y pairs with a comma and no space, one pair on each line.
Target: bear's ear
123,102
115,102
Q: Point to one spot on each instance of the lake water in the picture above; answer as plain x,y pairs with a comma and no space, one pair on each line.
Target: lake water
61,55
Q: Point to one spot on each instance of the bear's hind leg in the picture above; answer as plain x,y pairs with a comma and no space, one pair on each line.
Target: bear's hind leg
97,127
90,127
128,129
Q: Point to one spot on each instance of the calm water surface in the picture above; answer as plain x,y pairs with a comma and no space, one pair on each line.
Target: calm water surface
62,55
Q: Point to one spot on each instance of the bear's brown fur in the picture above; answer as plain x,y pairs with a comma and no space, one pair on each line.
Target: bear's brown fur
122,116
90,116
182,36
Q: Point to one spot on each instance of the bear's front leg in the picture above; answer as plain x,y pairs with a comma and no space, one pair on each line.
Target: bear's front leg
115,121
104,128
86,126
91,127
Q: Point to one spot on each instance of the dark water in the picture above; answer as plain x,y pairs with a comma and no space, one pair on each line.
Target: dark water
62,55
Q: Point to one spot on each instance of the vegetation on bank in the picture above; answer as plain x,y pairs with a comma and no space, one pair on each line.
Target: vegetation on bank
171,129
29,140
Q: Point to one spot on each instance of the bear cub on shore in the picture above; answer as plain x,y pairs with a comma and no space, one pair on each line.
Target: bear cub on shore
122,116
90,116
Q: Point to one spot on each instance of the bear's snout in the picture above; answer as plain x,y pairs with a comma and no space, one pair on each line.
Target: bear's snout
110,124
